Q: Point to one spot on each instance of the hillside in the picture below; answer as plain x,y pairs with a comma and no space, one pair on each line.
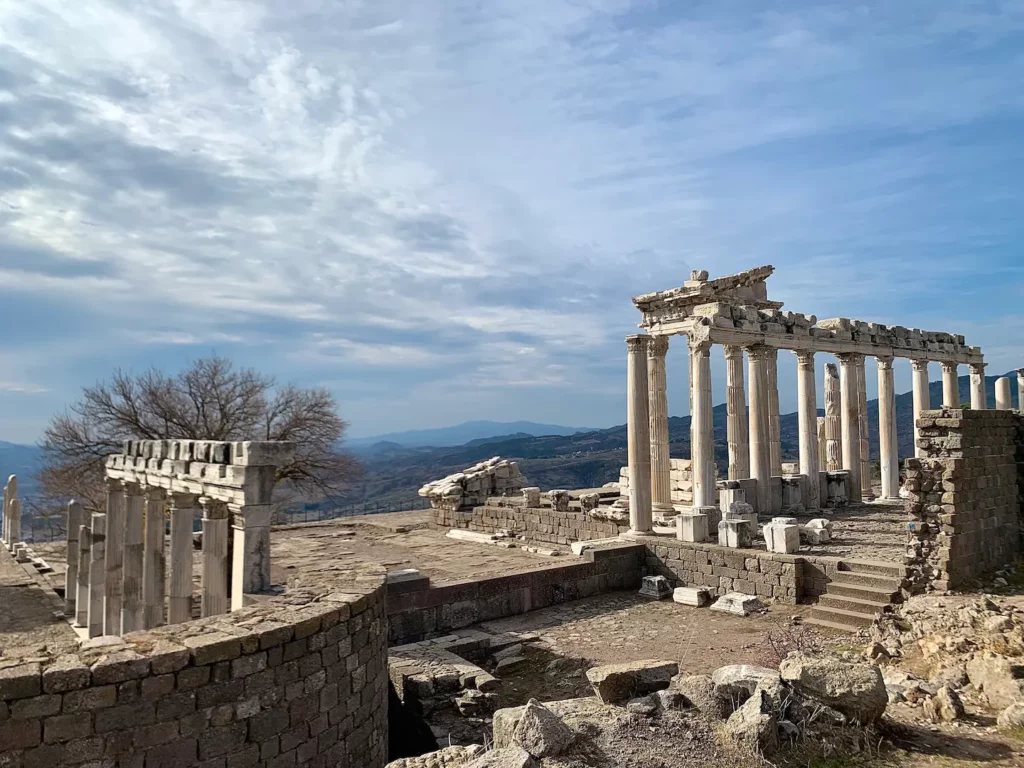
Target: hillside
23,461
460,434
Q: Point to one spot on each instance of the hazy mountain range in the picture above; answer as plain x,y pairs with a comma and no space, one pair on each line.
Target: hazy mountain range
460,434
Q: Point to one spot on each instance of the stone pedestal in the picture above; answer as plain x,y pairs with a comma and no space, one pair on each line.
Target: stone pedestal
133,610
922,398
74,524
97,573
1003,399
729,496
736,409
214,580
639,439
703,447
851,422
661,484
154,560
807,398
179,599
979,400
838,494
655,587
888,450
782,536
251,555
950,386
114,538
692,526
736,534
833,420
760,440
795,489
531,496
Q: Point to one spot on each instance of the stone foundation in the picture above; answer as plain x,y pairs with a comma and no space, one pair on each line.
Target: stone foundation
543,524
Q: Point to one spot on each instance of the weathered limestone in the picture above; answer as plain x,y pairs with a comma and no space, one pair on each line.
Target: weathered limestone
1003,400
74,524
132,608
462,490
760,439
867,492
250,565
807,398
14,516
692,526
833,420
703,448
114,557
922,399
822,444
82,589
639,441
979,400
736,408
97,573
698,597
782,535
12,528
179,600
735,534
888,450
154,560
774,426
1020,389
950,386
214,583
851,423
661,484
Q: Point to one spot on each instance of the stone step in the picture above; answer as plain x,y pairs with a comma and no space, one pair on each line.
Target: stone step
853,604
834,625
873,580
878,594
876,567
849,619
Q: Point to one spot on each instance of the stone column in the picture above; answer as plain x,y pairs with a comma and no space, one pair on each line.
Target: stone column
251,552
851,421
867,492
639,439
887,443
215,557
1020,389
179,600
950,386
760,439
661,478
822,444
979,400
922,399
774,428
736,408
702,450
98,571
154,560
10,492
833,420
14,519
84,559
1003,401
807,397
114,536
133,610
74,523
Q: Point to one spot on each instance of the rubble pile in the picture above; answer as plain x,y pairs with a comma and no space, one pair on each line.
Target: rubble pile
472,486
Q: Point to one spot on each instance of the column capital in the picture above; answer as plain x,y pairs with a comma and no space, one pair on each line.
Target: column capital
639,342
758,352
113,486
884,362
978,369
658,346
948,367
131,489
805,360
155,494
699,346
179,500
919,365
831,371
850,358
213,509
733,351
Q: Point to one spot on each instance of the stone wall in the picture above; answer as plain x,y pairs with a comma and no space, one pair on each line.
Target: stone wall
963,497
295,680
419,614
535,523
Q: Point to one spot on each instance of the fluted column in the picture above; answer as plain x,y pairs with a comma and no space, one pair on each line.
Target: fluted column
133,610
736,408
774,427
84,559
851,421
887,442
74,524
10,493
98,571
179,598
807,405
1003,401
215,557
113,601
760,439
950,386
154,560
639,438
922,399
833,420
702,451
822,444
661,476
979,399
867,492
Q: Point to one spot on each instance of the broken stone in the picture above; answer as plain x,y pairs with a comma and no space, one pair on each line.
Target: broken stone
656,587
505,653
695,596
944,706
615,683
509,662
541,732
746,676
701,693
644,705
1012,716
737,603
668,699
998,678
855,690
753,726
506,757
474,703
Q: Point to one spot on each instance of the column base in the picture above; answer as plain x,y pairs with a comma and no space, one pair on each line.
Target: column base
631,534
663,511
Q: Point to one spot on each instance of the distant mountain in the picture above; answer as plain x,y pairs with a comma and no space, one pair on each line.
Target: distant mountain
23,461
460,434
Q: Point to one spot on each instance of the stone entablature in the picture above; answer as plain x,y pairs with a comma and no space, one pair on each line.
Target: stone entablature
472,486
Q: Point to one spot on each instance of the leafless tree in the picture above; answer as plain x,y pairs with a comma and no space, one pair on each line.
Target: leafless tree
209,400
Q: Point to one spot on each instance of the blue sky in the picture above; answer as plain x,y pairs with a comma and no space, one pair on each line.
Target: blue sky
440,209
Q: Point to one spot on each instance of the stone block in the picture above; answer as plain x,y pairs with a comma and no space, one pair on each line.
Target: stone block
692,527
738,603
656,587
782,536
735,534
695,596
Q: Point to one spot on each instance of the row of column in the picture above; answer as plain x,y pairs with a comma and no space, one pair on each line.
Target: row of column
117,561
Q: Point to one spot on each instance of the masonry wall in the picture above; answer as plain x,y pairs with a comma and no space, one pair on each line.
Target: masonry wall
425,613
535,523
299,680
964,496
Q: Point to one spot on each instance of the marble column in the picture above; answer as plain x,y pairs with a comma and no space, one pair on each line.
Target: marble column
887,443
133,610
760,439
736,408
1003,401
950,386
179,598
154,560
14,519
661,476
851,421
250,566
867,492
10,492
214,580
822,444
98,571
1020,389
114,533
833,420
774,427
74,523
639,439
84,559
702,450
979,399
807,404
922,399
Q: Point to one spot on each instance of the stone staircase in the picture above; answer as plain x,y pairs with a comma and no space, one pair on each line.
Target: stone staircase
861,590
